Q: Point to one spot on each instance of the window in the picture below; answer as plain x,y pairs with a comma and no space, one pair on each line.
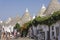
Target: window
52,33
57,31
52,27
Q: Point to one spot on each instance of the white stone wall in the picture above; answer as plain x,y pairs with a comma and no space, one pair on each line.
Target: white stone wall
44,27
59,32
55,25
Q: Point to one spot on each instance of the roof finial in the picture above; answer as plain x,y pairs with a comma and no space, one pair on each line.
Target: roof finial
1,21
43,6
26,9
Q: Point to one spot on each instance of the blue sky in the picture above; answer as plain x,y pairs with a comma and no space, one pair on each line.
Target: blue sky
11,8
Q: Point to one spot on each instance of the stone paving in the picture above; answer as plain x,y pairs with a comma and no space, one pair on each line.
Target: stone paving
22,39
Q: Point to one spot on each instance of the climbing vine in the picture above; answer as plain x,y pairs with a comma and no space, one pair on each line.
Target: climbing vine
45,20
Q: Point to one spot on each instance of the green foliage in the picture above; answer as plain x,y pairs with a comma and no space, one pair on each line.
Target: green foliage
26,27
28,24
45,20
17,26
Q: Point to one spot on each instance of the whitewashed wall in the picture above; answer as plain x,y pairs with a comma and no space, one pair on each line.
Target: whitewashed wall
57,24
8,28
59,31
43,27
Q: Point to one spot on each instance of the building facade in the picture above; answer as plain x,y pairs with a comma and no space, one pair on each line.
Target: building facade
41,31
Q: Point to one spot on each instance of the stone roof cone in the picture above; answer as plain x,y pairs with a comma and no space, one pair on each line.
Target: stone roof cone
26,13
17,17
40,13
43,6
52,7
26,9
12,21
26,17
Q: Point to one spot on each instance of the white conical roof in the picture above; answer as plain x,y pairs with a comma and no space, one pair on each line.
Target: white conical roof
1,21
33,16
26,16
43,6
41,12
9,19
52,7
26,9
26,13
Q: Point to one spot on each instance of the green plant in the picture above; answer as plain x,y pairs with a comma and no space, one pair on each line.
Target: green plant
17,26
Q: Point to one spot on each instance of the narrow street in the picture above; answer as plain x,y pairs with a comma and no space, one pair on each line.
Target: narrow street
21,39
